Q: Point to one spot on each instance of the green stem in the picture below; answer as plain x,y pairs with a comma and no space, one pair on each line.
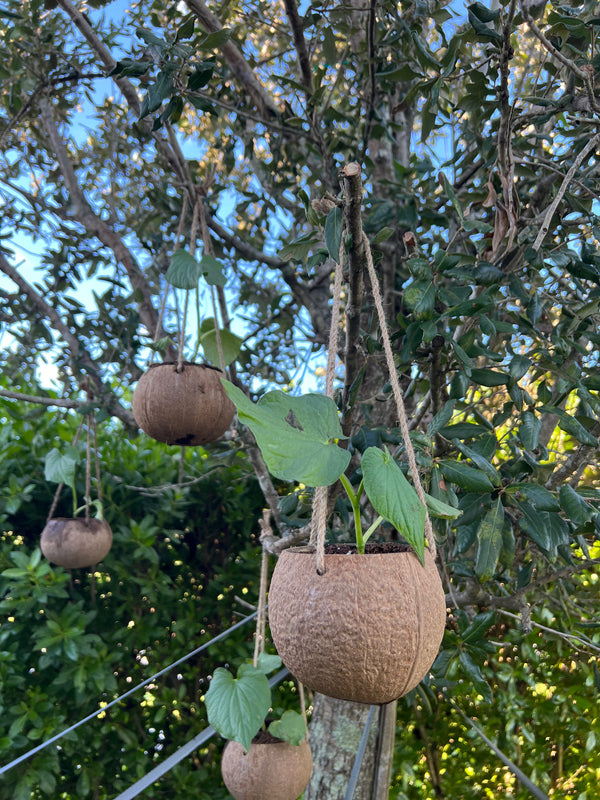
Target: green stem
74,499
373,527
354,498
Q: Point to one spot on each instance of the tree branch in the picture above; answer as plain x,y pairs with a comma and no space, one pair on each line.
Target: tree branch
98,46
43,401
236,61
127,88
475,595
353,197
291,9
582,74
578,161
79,356
92,223
301,293
577,459
568,637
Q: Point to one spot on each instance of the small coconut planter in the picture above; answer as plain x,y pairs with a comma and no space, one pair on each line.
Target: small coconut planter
76,542
368,630
270,770
189,407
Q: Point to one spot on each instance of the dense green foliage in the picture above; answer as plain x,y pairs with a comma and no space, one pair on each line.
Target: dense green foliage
128,135
70,644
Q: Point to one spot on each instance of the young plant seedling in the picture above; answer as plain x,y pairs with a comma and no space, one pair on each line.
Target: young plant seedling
237,706
298,438
77,541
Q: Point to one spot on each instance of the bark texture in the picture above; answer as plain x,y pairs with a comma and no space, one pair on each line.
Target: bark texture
335,734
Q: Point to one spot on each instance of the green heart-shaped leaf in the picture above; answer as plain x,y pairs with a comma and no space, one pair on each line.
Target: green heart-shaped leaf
230,344
212,269
291,728
184,271
393,497
237,707
296,435
267,662
60,467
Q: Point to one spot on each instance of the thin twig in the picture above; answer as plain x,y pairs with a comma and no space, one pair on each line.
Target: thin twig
580,158
43,401
568,637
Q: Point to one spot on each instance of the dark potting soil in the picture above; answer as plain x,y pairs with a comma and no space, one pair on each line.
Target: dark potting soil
264,737
371,547
185,364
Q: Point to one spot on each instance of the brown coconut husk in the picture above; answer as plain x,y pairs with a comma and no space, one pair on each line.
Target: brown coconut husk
187,408
270,770
368,630
77,542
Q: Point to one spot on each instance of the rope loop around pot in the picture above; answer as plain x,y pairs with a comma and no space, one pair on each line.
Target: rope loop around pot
320,499
397,391
60,486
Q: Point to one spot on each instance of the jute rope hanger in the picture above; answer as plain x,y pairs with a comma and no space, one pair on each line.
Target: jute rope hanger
320,497
261,613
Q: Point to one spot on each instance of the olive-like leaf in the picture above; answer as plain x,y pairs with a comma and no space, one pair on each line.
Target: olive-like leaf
489,541
334,225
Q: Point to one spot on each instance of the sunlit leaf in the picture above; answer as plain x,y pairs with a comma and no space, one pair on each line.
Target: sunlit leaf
296,435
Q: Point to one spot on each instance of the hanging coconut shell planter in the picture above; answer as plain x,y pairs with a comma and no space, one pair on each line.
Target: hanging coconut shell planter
367,630
182,402
259,763
185,407
77,542
271,769
74,542
361,622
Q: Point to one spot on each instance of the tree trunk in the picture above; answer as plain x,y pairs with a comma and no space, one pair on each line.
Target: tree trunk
335,733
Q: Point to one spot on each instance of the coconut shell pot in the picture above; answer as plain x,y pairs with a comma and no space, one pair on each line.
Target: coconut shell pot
188,407
270,770
368,630
77,542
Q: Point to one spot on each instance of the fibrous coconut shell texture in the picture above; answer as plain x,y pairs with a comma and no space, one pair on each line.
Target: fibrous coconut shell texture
269,771
74,543
188,407
368,630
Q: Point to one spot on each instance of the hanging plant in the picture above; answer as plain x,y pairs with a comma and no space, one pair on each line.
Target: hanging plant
183,402
368,625
271,768
258,762
74,542
363,623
